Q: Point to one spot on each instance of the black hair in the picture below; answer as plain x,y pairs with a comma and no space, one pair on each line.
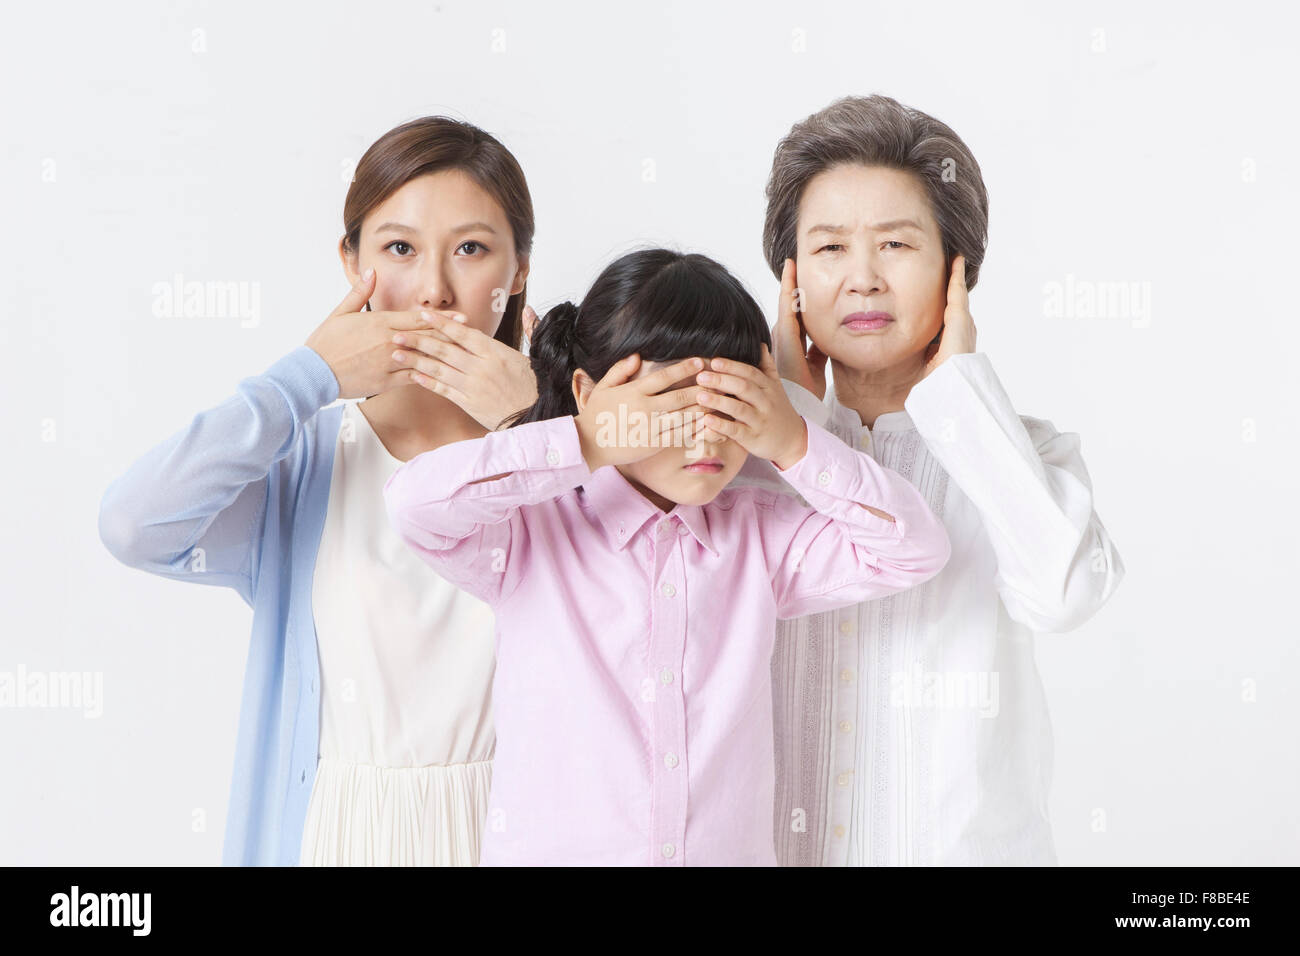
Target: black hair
660,304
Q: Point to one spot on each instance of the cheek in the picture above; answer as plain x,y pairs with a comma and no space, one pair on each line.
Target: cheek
817,283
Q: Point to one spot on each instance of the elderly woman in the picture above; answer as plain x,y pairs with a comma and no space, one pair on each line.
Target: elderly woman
913,730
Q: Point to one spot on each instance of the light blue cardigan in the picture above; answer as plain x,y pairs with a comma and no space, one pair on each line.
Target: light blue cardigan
238,498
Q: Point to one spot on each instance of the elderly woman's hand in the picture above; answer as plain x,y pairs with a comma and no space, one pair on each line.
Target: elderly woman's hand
487,378
798,360
958,332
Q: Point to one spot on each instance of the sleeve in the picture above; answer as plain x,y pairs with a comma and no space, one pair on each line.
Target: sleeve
836,552
1056,563
192,508
469,530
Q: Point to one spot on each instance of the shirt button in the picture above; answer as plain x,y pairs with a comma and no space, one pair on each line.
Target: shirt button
552,456
824,478
846,675
666,676
621,530
843,779
668,590
681,529
845,726
668,850
844,627
303,778
839,830
670,760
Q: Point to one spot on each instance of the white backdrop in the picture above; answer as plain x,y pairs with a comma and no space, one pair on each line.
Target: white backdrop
213,141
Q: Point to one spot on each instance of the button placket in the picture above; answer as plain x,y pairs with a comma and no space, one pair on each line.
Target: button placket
668,714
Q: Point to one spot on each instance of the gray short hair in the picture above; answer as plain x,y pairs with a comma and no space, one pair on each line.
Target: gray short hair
880,131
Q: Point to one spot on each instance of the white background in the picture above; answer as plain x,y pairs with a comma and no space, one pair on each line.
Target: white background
1161,150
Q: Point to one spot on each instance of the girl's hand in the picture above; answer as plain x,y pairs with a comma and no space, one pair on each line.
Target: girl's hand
486,378
762,421
605,440
797,359
958,332
357,345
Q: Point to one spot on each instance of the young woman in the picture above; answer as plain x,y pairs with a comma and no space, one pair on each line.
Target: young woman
913,730
635,598
365,732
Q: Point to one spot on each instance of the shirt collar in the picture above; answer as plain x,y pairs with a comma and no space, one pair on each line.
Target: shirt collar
622,510
889,422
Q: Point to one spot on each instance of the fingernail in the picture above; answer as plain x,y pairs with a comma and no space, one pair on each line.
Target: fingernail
426,317
458,317
398,340
367,274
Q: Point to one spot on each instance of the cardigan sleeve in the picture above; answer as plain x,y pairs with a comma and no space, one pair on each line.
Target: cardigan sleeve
192,508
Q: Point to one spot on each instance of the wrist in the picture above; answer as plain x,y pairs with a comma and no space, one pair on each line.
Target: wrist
798,449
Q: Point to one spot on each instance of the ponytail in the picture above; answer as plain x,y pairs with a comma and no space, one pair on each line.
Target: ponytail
554,353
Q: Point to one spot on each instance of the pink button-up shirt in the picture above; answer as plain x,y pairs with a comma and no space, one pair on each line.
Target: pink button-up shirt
632,693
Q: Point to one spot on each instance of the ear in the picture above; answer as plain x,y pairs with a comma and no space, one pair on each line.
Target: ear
582,386
521,276
350,263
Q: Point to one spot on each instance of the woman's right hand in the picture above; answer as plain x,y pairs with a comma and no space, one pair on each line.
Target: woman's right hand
797,360
639,399
358,346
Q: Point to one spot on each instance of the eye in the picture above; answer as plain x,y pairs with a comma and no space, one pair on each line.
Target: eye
396,243
476,246
894,243
834,245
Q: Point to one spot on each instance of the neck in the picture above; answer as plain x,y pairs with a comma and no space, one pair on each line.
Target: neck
659,501
875,392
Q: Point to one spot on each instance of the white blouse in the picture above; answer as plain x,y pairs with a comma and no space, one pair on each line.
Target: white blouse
913,730
406,660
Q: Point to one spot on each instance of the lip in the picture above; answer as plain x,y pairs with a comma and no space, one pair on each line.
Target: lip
867,321
705,466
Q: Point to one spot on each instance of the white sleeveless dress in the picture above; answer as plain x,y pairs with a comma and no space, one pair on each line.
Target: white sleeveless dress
406,660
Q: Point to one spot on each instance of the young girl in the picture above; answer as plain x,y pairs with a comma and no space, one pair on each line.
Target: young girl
635,598
365,734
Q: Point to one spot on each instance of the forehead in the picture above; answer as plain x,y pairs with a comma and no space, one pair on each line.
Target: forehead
438,202
853,195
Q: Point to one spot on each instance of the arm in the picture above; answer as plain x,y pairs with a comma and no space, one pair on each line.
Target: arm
192,508
841,551
458,506
1056,564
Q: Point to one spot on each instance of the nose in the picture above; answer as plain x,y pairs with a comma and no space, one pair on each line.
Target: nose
435,288
865,278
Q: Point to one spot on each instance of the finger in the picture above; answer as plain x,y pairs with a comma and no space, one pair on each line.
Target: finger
449,352
816,357
662,379
621,371
767,364
438,387
359,294
457,329
530,322
957,293
402,321
730,371
433,368
730,406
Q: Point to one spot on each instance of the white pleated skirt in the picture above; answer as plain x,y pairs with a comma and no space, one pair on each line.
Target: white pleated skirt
363,815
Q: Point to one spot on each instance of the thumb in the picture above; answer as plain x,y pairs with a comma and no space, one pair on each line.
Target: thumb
359,295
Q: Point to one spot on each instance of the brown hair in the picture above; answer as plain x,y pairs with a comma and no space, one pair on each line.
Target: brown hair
880,131
432,144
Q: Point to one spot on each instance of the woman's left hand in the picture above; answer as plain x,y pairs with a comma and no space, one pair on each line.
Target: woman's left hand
488,379
958,332
762,420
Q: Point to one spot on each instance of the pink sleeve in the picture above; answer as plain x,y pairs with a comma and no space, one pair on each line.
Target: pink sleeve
837,553
466,529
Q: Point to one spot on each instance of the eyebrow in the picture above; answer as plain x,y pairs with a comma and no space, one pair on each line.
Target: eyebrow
464,227
891,225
